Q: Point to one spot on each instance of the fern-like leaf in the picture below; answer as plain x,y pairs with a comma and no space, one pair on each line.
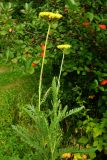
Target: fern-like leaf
45,96
74,111
54,90
76,150
25,136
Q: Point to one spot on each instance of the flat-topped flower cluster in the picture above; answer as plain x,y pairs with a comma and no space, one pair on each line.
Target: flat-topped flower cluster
50,15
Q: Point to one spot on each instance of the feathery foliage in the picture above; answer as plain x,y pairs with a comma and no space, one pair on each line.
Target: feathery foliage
45,133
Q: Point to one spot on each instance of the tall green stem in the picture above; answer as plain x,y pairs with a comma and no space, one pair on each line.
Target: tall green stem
41,72
60,71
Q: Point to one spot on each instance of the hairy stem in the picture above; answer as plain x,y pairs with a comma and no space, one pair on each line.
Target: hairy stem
60,71
41,72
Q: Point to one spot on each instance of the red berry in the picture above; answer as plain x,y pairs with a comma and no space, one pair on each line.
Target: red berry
85,24
42,47
102,26
103,82
34,64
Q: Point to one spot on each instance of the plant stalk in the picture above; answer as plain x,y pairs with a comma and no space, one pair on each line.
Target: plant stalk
60,71
41,72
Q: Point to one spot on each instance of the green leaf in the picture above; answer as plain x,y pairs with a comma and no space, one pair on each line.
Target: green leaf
14,60
45,61
99,144
45,95
9,54
24,135
83,73
83,140
65,73
54,92
67,51
74,111
54,25
101,88
78,71
90,16
97,131
104,74
31,70
92,155
95,83
3,33
72,4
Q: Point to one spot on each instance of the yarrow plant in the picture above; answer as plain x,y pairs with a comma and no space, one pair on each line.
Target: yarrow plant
63,47
49,16
46,134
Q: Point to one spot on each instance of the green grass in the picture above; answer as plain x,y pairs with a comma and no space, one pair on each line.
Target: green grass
9,77
16,90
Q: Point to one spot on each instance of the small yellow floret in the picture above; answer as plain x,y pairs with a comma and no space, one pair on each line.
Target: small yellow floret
64,46
50,15
66,155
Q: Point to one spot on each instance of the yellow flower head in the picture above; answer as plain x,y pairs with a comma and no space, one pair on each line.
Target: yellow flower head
64,46
66,155
50,15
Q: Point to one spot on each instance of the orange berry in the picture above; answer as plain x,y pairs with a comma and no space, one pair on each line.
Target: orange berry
34,64
66,155
42,47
